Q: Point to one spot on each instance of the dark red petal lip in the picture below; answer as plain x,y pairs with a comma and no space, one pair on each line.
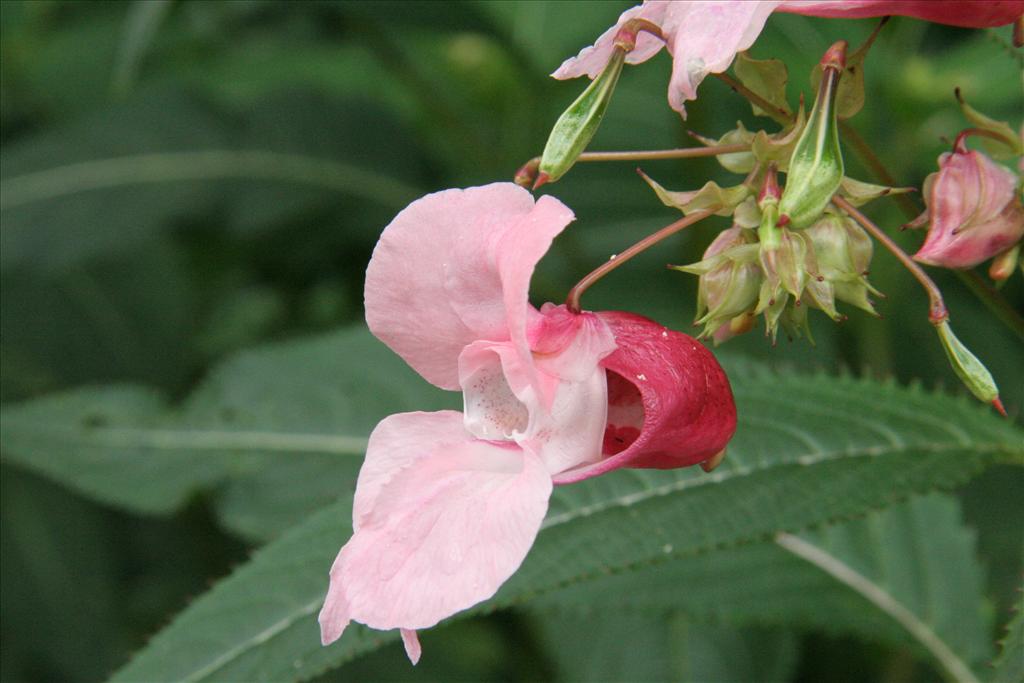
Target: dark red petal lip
689,411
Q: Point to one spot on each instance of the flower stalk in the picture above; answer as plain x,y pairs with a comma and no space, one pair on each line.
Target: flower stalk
572,301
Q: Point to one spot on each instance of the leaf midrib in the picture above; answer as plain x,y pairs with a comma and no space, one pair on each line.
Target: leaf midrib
205,439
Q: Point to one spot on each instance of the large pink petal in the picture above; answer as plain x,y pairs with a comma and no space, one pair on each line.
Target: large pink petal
706,41
670,404
454,267
440,534
977,14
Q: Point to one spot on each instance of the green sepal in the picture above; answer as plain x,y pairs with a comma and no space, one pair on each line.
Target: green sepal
720,200
859,193
736,162
577,126
764,77
778,148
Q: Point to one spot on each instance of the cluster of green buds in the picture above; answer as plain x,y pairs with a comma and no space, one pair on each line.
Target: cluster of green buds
763,266
791,248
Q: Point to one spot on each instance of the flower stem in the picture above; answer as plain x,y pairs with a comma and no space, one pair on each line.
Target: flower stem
960,144
527,176
937,312
681,153
572,301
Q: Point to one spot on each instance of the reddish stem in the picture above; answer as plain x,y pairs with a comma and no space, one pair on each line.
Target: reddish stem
960,146
572,301
937,312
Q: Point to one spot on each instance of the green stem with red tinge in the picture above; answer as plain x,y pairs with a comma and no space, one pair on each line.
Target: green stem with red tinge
572,301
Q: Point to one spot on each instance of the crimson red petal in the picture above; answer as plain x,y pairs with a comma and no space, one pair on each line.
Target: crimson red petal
689,413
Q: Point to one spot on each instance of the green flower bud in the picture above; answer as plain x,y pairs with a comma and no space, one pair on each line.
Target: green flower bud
576,127
843,251
729,279
968,368
816,167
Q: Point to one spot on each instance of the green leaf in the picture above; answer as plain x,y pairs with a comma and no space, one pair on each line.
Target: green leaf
1009,665
808,450
285,425
765,77
114,180
908,574
661,645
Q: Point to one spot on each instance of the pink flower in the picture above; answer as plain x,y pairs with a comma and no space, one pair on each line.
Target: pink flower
448,504
973,210
704,37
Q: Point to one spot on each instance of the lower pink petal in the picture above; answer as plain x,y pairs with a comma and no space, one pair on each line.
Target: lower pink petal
441,534
669,401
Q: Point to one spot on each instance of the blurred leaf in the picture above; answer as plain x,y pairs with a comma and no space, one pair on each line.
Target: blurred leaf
285,425
797,460
1009,666
141,25
106,320
661,645
907,574
114,180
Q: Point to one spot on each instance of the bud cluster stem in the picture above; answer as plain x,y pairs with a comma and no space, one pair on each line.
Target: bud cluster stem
572,301
937,312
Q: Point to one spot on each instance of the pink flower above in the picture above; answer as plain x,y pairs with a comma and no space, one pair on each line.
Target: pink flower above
973,210
703,37
448,504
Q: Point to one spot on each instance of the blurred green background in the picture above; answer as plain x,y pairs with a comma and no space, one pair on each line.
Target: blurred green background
183,180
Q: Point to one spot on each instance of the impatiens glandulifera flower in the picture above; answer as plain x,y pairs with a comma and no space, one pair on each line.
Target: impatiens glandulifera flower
973,210
704,37
447,504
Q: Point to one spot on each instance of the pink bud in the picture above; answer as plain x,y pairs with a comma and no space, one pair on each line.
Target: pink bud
973,209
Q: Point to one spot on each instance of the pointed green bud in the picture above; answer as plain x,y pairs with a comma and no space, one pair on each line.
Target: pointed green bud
576,127
968,368
816,167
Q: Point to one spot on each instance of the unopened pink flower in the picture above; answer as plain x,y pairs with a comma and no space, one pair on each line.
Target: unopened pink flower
704,37
973,210
447,504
